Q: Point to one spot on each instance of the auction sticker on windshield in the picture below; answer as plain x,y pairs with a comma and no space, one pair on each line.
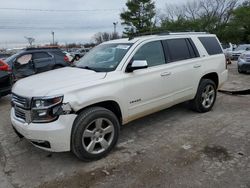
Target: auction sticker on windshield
123,47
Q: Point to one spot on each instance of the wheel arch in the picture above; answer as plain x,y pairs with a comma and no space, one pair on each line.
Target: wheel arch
111,105
212,76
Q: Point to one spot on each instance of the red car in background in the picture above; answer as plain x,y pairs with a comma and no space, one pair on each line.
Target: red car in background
5,79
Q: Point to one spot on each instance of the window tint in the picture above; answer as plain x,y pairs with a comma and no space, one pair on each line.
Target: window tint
40,55
192,49
211,45
178,49
152,52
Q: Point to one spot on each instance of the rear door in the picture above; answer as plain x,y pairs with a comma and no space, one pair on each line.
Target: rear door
43,61
184,64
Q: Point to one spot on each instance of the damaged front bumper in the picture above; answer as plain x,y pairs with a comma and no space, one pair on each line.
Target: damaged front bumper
54,136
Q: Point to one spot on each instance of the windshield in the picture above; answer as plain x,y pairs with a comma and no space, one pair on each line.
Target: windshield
104,58
242,47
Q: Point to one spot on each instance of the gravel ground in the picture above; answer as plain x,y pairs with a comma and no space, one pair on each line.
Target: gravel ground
172,148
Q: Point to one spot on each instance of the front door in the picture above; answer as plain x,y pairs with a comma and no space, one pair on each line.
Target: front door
23,66
145,92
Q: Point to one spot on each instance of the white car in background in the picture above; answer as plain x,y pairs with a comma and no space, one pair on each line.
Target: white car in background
235,54
227,48
68,55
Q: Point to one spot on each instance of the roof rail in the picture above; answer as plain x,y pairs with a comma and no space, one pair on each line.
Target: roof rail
41,48
162,33
187,33
144,34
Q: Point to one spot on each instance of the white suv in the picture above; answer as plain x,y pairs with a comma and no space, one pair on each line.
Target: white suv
81,108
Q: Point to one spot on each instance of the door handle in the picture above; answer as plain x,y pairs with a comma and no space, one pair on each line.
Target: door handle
197,66
165,74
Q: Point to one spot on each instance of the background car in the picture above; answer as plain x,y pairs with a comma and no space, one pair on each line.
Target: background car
68,55
4,56
36,60
238,51
80,53
5,79
227,48
244,62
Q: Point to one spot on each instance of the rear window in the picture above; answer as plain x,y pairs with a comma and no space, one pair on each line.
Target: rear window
211,44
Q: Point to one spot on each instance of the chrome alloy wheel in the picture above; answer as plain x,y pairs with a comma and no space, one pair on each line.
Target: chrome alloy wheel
208,96
98,136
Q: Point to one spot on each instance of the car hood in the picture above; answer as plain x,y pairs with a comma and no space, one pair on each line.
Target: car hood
41,84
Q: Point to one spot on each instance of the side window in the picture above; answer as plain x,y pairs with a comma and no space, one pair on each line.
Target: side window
152,52
24,59
179,49
40,55
211,45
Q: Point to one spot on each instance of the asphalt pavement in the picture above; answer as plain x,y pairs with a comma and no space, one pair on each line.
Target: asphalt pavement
172,148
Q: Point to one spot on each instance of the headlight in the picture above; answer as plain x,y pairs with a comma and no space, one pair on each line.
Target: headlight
45,109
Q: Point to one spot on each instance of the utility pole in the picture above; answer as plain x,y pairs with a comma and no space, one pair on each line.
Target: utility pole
115,24
53,37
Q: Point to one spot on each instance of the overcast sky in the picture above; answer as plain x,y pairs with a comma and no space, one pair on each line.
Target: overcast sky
69,26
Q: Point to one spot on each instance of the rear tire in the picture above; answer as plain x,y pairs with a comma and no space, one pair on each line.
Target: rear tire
95,133
205,96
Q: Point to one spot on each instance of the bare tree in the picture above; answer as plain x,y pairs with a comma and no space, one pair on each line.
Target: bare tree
210,10
105,36
30,40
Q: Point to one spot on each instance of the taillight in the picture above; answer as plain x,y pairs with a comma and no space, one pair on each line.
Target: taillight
66,59
4,66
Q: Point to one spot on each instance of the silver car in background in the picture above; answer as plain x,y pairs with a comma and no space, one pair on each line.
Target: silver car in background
244,62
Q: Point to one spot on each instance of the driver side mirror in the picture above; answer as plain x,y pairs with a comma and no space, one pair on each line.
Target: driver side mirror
137,64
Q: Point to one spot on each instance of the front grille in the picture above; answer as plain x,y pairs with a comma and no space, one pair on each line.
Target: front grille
245,66
19,113
22,102
22,107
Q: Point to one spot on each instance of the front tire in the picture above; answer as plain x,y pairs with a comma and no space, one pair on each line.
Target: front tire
205,96
95,132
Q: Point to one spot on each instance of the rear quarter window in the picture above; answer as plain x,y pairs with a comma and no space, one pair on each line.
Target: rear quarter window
211,44
179,49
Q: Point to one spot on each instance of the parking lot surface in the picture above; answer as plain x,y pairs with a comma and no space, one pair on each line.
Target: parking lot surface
172,148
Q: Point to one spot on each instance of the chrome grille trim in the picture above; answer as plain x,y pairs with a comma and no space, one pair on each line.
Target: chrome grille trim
22,108
22,115
20,101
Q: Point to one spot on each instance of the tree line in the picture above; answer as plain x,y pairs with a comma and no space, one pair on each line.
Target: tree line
228,19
